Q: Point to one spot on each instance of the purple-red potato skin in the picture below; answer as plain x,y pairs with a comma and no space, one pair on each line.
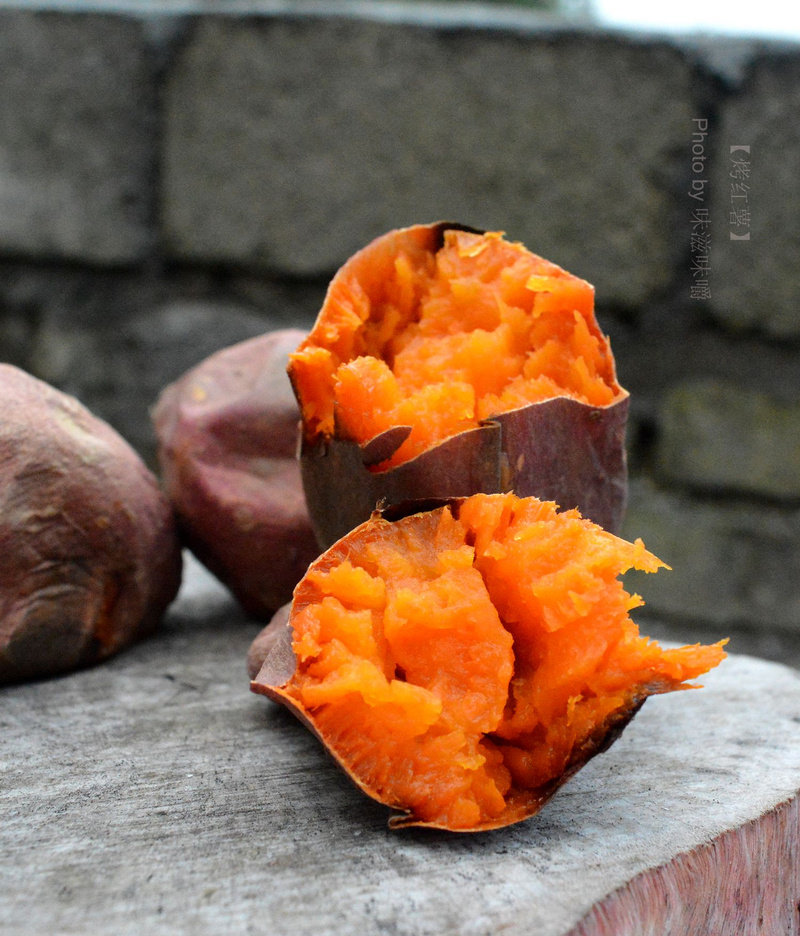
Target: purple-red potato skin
90,553
227,433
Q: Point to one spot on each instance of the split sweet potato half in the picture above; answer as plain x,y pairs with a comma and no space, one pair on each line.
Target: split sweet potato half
446,362
462,662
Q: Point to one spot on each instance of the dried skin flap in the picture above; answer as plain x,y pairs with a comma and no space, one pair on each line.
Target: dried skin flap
334,468
662,671
560,450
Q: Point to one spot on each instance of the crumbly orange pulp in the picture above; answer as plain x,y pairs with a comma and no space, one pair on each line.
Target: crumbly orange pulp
439,340
454,661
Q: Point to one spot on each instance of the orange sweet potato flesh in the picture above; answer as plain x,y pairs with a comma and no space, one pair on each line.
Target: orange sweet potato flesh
446,362
462,662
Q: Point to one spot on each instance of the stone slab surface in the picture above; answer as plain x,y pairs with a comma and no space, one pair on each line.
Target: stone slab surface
156,794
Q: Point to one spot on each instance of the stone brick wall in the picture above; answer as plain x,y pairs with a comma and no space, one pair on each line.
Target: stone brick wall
174,179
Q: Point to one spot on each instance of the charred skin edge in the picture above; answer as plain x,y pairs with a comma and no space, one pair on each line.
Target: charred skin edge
280,664
559,449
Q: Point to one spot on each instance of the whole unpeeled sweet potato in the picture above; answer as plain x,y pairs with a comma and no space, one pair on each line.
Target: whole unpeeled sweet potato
89,554
227,433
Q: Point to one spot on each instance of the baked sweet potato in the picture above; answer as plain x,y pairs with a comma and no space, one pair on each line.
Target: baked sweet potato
90,554
227,433
446,362
461,663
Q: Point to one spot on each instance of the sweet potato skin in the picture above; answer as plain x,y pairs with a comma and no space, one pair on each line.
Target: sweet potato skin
561,450
91,557
227,432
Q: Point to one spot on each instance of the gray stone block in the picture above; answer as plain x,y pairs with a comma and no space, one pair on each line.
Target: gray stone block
76,147
733,564
673,342
717,436
756,281
287,304
291,142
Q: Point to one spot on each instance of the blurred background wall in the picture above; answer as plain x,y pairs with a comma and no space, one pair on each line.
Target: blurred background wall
175,177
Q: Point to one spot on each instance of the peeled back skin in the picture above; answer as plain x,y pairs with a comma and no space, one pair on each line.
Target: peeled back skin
462,662
90,553
446,362
227,445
